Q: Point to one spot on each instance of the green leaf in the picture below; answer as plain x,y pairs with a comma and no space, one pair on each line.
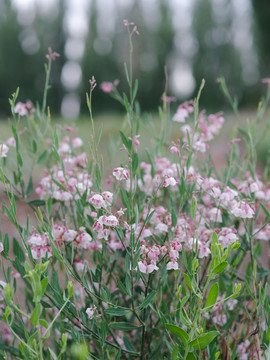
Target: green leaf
148,299
34,146
6,244
59,185
126,142
116,311
42,157
35,315
212,297
221,267
178,332
213,244
37,202
203,340
19,158
29,187
175,352
123,326
191,356
44,284
121,286
18,252
54,357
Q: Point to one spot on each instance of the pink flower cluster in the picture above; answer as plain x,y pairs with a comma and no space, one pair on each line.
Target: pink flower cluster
24,109
166,174
208,126
104,224
40,243
80,238
220,310
103,200
183,111
71,180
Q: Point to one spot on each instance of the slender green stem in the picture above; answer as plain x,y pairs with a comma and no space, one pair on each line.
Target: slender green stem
46,87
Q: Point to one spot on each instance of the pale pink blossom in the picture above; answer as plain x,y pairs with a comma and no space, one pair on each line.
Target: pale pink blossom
6,334
83,240
242,209
147,268
220,319
20,109
242,350
108,197
169,181
107,87
172,265
121,173
69,235
180,115
90,312
135,142
77,142
227,236
174,149
1,247
97,201
3,150
110,220
52,55
11,141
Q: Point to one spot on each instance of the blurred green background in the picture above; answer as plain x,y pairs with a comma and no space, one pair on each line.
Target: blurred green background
195,39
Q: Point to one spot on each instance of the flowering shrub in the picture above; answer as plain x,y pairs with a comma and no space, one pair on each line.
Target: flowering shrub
162,261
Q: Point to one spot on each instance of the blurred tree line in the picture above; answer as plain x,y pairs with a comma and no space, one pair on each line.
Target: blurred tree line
23,48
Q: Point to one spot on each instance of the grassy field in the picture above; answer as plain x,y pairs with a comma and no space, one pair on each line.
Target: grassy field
150,127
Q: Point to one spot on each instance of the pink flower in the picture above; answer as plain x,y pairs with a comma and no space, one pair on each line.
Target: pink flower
83,240
20,109
174,149
77,142
108,197
180,115
169,181
97,201
11,141
172,265
147,269
242,209
135,142
242,350
6,334
121,173
90,312
3,150
107,87
110,220
1,247
266,81
69,235
52,55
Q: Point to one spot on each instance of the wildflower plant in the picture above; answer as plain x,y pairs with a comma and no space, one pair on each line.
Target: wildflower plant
163,261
